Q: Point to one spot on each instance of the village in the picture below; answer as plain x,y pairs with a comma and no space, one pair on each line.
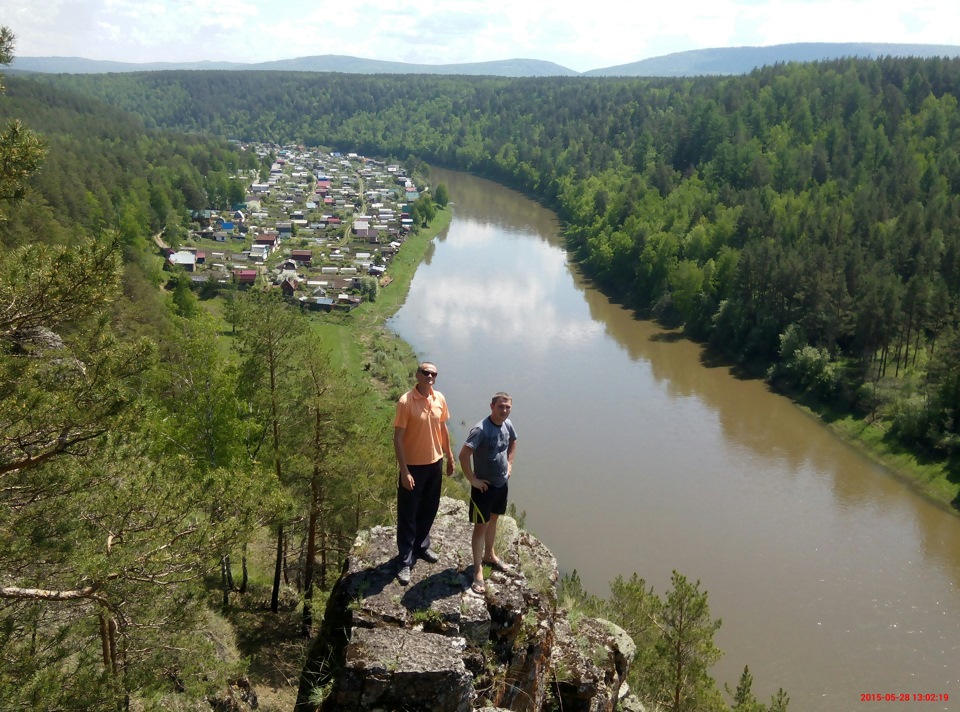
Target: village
322,228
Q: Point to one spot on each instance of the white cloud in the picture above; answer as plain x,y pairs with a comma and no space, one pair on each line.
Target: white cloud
857,21
599,34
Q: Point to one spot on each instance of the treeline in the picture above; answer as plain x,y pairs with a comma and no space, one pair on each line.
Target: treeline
104,169
104,172
802,218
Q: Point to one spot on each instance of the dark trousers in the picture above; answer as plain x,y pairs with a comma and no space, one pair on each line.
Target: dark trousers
416,510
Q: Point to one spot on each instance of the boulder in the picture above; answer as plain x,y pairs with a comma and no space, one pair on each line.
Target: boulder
436,645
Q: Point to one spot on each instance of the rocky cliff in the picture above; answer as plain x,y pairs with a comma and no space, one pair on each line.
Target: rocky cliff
437,646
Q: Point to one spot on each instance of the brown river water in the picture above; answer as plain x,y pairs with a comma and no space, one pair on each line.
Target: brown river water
635,454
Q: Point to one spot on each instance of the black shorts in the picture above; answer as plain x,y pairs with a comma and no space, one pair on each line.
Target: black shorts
483,504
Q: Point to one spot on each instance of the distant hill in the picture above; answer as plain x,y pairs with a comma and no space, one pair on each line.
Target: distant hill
356,65
80,65
321,63
720,60
742,60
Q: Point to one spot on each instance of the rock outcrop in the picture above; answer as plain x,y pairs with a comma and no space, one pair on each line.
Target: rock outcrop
436,646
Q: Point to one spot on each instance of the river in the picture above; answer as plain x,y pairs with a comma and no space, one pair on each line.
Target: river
636,454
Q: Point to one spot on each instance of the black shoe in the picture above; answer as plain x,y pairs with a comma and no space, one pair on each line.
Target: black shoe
429,555
403,575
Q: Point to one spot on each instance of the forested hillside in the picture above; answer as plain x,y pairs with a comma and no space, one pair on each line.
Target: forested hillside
182,479
803,219
145,455
689,63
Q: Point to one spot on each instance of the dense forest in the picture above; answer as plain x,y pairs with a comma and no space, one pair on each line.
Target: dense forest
803,219
148,463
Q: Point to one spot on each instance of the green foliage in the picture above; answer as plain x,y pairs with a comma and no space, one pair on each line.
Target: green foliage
805,368
779,701
20,150
107,538
423,211
912,420
202,414
821,195
106,533
743,698
182,297
54,330
519,517
369,288
745,701
674,638
803,218
441,195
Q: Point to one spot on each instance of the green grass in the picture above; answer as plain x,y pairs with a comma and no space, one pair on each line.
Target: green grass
935,479
358,340
402,269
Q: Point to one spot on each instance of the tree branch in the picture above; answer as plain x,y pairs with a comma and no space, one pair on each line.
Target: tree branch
39,594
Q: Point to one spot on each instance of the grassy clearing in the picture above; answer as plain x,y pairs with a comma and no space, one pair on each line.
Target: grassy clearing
359,340
936,480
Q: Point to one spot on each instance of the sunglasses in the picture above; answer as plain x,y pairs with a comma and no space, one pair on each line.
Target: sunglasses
429,374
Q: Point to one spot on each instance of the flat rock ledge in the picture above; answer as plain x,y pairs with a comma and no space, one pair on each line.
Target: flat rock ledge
436,646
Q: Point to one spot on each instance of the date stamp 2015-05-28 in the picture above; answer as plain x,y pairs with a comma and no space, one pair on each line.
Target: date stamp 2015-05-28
904,697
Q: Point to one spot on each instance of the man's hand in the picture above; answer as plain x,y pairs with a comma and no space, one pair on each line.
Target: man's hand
451,465
406,480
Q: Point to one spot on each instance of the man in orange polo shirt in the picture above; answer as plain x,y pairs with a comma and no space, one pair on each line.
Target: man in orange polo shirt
420,440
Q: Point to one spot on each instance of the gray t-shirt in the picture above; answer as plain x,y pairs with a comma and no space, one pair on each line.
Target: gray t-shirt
490,444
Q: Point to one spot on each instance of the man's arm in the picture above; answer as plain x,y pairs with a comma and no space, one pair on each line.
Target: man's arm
466,464
511,450
447,448
406,479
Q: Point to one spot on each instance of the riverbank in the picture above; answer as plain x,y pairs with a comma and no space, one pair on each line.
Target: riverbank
358,340
935,480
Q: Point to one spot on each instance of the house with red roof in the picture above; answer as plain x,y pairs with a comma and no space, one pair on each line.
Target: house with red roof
245,277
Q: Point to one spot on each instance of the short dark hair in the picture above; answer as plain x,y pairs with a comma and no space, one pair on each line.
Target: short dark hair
501,395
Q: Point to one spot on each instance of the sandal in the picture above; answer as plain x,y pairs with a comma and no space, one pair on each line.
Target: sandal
497,565
478,587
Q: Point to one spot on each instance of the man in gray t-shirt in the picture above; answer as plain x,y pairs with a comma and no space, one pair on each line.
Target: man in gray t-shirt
487,461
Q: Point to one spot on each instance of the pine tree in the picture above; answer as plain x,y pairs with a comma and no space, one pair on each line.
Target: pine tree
743,698
270,350
105,534
685,650
21,151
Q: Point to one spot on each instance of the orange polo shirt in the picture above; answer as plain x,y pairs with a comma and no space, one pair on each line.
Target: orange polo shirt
422,419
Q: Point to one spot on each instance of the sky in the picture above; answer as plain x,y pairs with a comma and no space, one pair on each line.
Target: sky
580,35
